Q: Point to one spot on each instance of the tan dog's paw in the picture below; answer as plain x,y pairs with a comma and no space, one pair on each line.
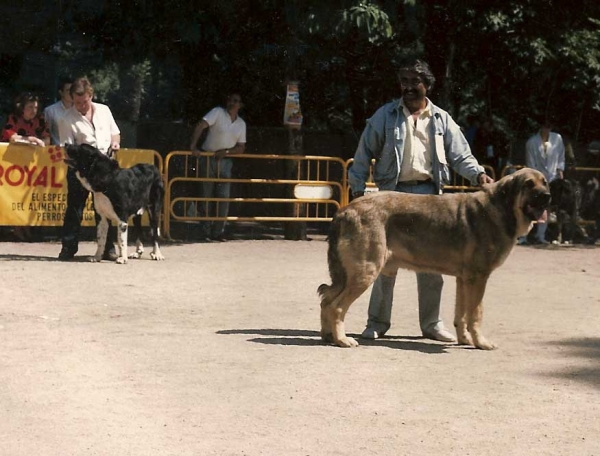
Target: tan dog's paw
96,259
347,342
327,337
121,260
483,344
464,339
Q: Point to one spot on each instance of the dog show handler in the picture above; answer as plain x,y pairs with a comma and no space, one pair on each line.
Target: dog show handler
414,143
86,122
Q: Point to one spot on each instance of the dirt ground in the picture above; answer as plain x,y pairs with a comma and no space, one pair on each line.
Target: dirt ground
216,351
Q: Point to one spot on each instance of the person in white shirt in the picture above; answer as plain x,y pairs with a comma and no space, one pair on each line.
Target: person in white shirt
545,151
86,122
226,136
54,112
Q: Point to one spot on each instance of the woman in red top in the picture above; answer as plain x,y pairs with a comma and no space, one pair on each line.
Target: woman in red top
26,124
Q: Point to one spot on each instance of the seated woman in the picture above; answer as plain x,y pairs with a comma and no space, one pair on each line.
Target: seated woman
26,124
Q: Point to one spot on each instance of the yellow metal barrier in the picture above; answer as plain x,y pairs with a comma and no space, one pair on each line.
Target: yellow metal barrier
459,183
299,188
313,194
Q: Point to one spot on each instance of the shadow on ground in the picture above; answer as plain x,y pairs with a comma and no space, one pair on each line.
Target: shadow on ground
587,349
299,337
14,257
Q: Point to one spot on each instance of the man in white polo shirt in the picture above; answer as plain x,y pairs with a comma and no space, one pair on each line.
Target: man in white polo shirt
54,112
91,123
226,136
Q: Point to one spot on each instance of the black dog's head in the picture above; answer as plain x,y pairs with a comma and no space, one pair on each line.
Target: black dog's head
91,164
590,204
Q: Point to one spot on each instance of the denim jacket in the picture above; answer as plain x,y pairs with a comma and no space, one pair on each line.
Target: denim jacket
383,140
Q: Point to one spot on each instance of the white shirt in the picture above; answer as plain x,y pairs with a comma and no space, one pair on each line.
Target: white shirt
75,128
416,159
52,115
223,133
547,158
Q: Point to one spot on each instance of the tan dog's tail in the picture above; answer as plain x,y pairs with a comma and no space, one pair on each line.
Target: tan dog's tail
336,271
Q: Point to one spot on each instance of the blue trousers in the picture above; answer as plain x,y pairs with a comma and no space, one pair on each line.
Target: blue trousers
214,168
429,286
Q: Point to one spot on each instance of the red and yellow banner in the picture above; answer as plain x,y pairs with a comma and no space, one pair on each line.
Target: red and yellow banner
33,184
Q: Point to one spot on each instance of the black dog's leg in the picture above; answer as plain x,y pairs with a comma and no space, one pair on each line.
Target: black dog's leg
122,240
137,234
101,233
154,209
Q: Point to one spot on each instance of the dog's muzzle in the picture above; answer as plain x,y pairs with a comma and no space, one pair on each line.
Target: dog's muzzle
536,207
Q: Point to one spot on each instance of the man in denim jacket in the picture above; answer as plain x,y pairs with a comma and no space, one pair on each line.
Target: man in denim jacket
413,143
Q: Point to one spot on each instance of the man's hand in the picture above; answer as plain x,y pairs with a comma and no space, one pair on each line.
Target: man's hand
115,146
484,179
196,152
222,153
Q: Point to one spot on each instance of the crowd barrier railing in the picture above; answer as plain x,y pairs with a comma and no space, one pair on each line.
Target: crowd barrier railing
458,183
280,188
265,188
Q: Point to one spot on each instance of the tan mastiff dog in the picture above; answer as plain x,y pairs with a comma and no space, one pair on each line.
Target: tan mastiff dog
466,235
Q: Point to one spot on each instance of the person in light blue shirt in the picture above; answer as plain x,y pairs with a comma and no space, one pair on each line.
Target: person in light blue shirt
545,151
413,144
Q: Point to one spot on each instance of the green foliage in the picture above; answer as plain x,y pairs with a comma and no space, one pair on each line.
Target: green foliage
366,20
513,60
106,81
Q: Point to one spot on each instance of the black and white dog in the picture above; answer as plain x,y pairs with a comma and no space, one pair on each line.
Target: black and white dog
118,194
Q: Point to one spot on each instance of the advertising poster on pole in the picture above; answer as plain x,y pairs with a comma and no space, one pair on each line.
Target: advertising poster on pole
292,116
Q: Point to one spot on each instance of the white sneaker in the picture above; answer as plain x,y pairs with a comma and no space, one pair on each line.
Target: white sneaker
440,333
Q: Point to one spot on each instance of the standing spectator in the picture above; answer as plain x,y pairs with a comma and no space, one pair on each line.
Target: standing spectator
86,122
490,146
26,124
471,130
54,112
545,152
413,143
226,136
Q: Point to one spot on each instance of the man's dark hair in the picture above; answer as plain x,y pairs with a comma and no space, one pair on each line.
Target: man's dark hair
62,80
421,67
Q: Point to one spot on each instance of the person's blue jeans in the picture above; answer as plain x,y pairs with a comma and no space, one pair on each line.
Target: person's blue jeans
429,286
214,168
